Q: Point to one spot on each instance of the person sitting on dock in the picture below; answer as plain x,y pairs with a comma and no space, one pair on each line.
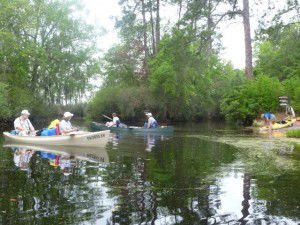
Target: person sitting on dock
23,125
65,125
269,119
152,123
115,121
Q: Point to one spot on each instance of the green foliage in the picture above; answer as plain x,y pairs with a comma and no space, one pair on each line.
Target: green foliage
292,89
46,54
128,102
120,66
5,109
279,55
293,133
245,103
177,77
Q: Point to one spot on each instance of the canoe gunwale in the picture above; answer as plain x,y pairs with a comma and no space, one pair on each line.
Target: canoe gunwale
95,139
99,126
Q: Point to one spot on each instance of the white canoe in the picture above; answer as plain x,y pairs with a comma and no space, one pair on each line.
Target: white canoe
92,154
87,139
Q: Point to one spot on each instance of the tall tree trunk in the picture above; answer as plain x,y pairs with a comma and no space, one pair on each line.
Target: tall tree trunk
179,13
152,29
145,70
157,24
248,48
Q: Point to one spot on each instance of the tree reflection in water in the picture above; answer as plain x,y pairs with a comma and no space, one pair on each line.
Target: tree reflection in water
182,180
47,188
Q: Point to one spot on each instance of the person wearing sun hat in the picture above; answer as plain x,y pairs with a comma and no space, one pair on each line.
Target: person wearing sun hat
65,125
152,123
23,125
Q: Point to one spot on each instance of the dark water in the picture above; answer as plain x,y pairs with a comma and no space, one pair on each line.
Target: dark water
202,174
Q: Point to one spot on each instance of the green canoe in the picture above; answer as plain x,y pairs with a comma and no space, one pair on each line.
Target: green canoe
162,129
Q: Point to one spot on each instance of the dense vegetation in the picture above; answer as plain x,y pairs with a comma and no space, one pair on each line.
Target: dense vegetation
178,73
46,56
174,69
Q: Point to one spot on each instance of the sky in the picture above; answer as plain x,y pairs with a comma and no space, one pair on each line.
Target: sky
101,13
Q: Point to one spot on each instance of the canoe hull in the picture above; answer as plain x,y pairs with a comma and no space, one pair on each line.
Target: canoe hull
278,126
96,139
99,126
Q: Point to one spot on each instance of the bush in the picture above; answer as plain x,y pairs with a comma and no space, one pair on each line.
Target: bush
292,89
127,102
252,98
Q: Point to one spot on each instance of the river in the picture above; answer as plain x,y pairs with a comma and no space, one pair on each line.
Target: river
205,173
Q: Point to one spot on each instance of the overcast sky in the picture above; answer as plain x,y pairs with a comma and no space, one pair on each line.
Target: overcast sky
101,13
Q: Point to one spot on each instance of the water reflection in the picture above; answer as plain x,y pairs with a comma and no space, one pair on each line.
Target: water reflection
22,157
150,179
150,140
63,157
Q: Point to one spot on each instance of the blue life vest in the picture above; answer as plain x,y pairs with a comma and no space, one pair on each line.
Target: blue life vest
154,124
49,132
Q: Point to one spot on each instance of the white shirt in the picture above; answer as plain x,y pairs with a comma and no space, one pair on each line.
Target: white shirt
20,123
65,125
151,120
115,119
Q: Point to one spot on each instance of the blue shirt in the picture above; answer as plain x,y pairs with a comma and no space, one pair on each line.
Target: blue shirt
269,116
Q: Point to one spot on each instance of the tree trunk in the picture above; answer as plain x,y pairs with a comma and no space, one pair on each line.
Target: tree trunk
179,13
157,25
145,47
152,30
248,48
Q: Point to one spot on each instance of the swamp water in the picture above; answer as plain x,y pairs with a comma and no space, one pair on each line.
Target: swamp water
201,174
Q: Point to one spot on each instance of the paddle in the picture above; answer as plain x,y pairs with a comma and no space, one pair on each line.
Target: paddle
122,124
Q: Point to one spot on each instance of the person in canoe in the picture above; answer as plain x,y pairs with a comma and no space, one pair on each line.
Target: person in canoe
151,123
65,125
23,125
115,121
269,119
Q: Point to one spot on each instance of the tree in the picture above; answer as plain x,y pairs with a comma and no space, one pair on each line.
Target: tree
53,54
248,46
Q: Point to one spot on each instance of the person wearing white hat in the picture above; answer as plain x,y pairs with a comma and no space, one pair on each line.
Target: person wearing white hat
65,125
152,123
23,125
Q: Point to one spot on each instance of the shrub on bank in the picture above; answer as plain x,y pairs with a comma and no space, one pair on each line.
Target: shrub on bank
245,103
293,133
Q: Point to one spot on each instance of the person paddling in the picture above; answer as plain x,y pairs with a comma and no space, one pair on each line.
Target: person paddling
23,125
115,121
65,125
152,123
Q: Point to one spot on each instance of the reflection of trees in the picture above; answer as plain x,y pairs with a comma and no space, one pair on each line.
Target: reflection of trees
277,179
43,195
246,196
281,194
173,181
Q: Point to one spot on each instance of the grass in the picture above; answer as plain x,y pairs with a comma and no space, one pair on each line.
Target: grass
293,133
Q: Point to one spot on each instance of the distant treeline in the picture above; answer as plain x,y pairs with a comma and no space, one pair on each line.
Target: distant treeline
177,73
47,58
